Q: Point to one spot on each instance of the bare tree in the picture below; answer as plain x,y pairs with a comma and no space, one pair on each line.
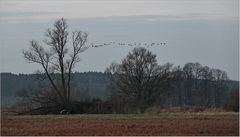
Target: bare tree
191,73
204,86
55,58
139,78
220,85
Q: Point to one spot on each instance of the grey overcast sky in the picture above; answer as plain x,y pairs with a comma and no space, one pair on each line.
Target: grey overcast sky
204,31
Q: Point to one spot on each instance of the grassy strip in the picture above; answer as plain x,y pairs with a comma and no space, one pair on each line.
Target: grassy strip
162,116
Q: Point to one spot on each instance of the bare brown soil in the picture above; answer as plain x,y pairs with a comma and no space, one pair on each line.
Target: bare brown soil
63,126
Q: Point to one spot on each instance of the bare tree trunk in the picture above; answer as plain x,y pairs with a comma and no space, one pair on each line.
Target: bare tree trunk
57,59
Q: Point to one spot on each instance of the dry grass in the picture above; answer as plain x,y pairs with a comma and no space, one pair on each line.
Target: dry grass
135,124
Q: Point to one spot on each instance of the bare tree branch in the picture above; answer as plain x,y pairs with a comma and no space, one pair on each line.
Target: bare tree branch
55,60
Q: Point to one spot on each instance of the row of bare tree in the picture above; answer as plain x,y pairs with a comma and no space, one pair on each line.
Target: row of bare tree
139,82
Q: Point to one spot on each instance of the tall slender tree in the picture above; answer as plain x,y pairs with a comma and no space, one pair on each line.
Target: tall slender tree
56,56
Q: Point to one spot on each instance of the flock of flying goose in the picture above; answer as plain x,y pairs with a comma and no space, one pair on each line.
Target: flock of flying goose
127,44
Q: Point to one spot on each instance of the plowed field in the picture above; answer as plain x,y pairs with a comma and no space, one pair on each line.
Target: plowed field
155,124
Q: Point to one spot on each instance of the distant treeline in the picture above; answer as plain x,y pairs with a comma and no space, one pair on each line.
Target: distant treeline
139,83
86,85
93,87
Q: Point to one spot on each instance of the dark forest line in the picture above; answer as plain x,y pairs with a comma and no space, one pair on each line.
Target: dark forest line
87,87
11,83
86,84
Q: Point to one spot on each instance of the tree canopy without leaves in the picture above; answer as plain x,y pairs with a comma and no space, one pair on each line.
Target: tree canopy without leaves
56,56
139,77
